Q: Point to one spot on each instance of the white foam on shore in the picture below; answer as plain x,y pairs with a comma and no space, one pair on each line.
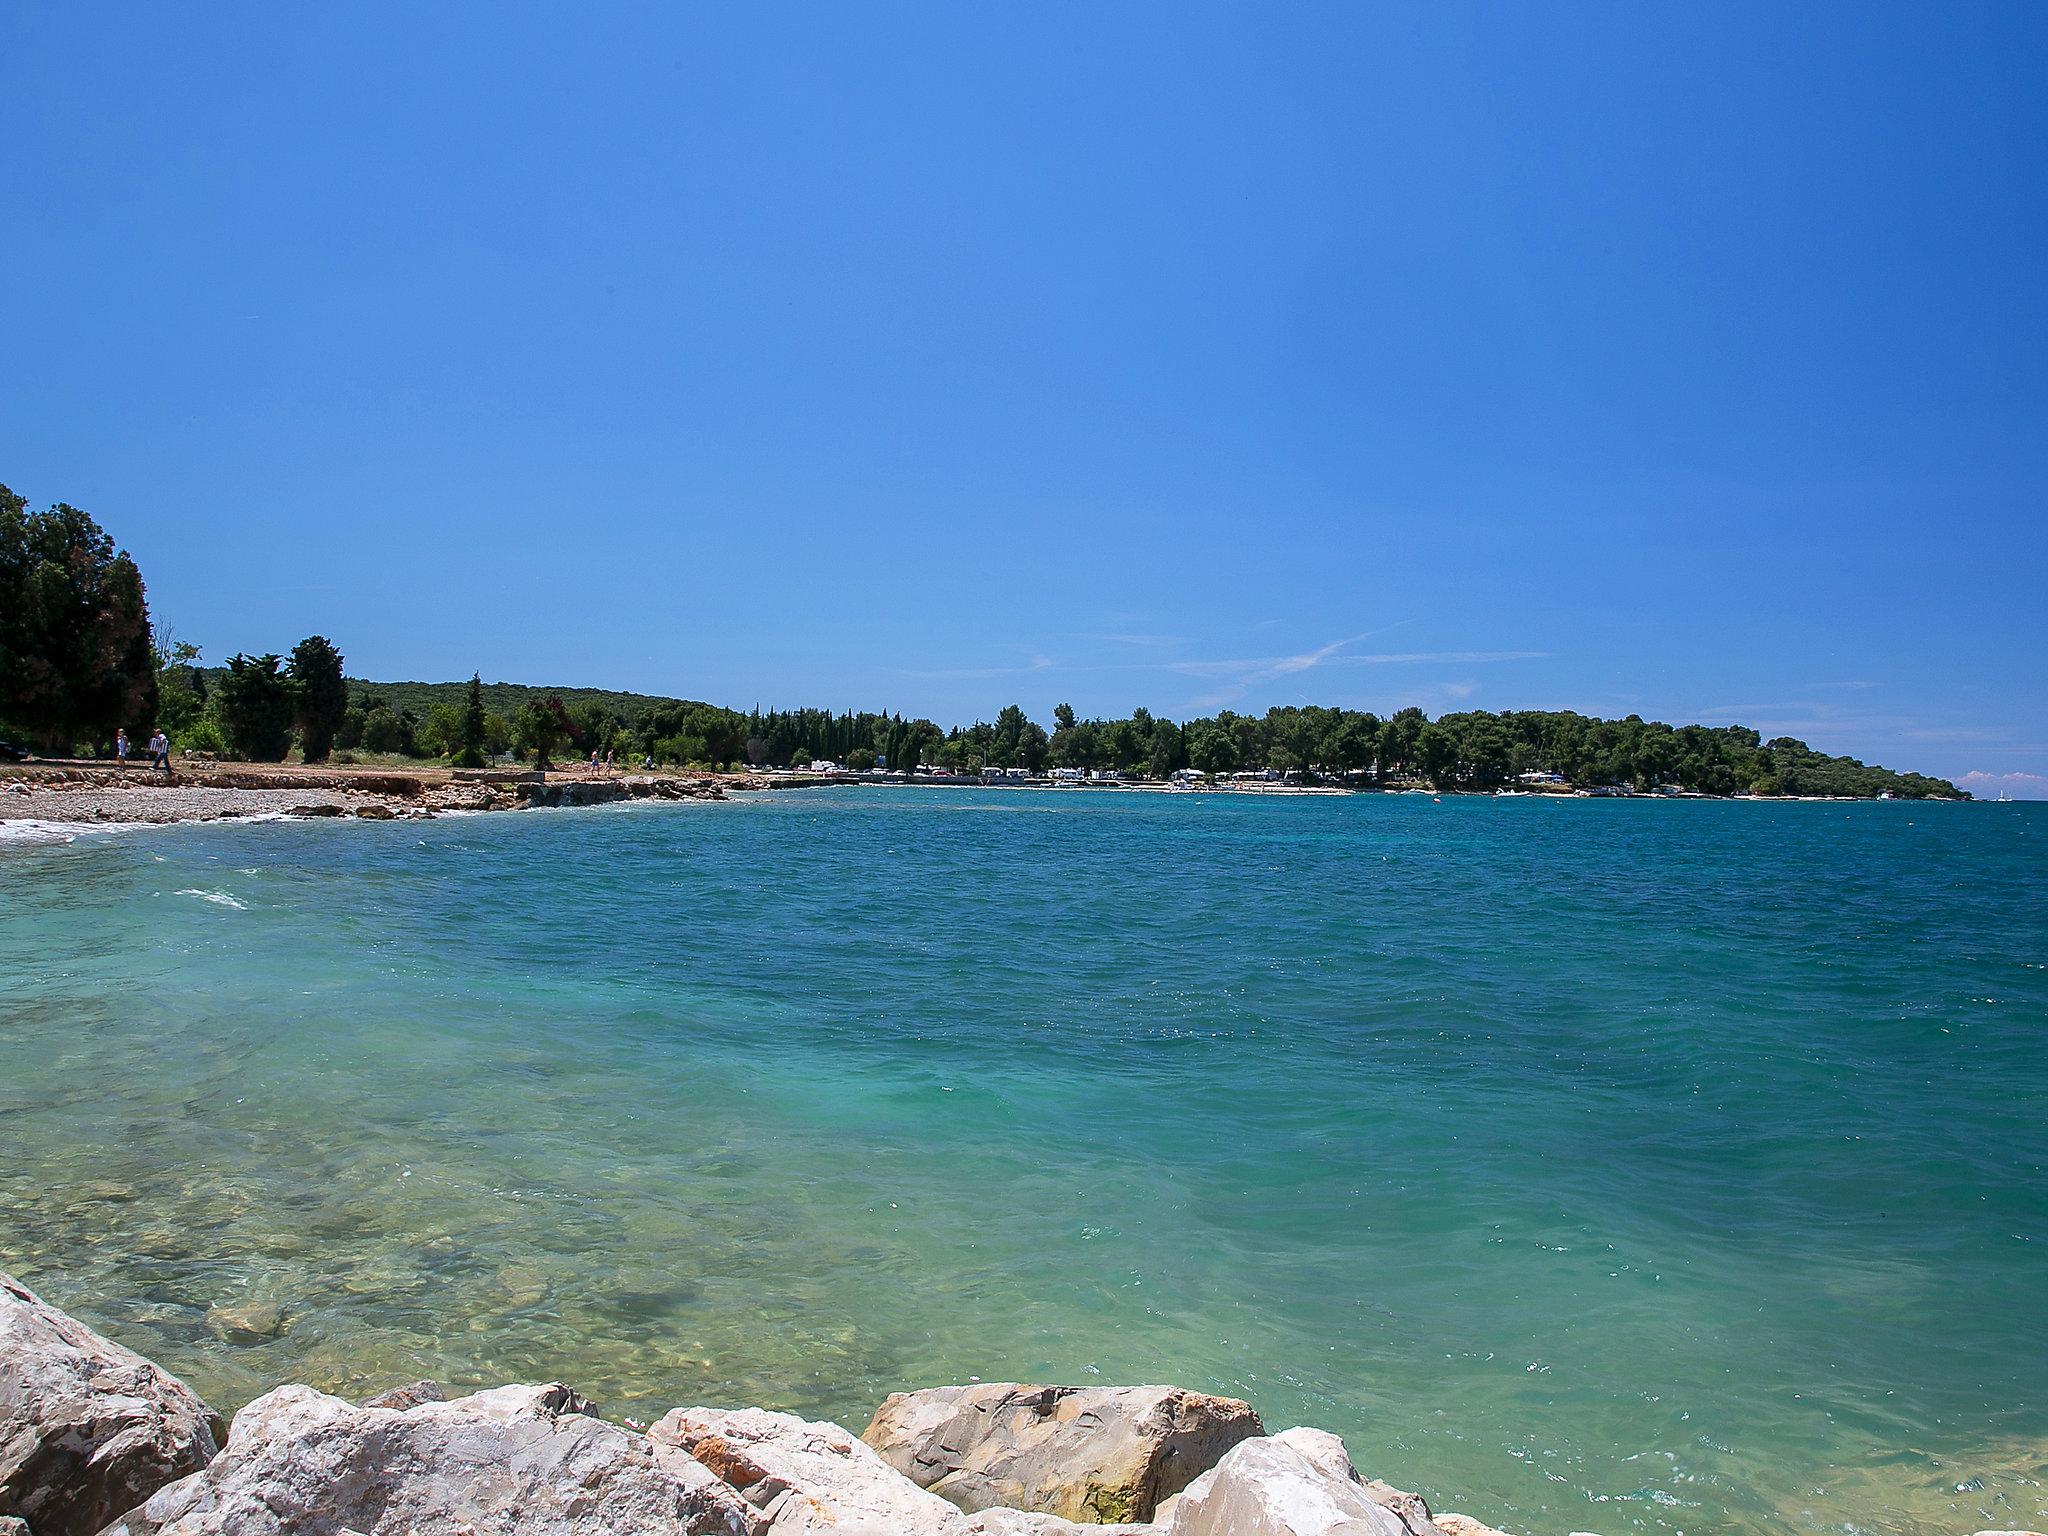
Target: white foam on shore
218,898
42,830
30,830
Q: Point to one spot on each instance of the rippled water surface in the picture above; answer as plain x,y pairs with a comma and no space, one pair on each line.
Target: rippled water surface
1589,1166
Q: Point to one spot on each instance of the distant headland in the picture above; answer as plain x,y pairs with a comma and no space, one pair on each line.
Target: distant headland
85,675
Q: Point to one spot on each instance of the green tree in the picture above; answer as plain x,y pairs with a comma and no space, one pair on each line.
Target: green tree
1211,747
1031,746
1126,742
320,695
75,653
180,686
1436,754
254,707
542,726
384,729
596,726
1168,751
1398,737
1352,743
1009,734
441,734
1073,746
474,729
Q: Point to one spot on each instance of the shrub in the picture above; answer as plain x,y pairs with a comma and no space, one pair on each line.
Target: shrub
202,735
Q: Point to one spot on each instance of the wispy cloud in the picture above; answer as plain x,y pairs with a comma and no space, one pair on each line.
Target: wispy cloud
1142,642
1799,716
1399,657
2021,786
1242,675
1232,678
1260,668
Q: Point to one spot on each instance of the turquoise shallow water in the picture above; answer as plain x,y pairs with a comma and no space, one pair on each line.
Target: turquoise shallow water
1609,1166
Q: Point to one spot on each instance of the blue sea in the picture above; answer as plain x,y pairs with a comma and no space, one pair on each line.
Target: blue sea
1588,1165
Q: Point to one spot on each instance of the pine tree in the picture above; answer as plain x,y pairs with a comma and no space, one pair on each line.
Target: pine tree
254,707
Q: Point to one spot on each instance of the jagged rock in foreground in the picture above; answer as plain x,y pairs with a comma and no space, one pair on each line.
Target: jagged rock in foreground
87,1428
526,1459
95,1439
1302,1483
1326,1453
802,1476
1269,1488
1083,1453
1465,1525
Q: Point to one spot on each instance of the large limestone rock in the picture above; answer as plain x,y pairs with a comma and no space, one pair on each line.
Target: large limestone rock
1268,1487
804,1477
515,1461
87,1428
1327,1454
1025,1522
1095,1454
1465,1525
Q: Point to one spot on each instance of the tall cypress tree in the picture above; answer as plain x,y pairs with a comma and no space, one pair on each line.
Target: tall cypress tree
471,754
320,695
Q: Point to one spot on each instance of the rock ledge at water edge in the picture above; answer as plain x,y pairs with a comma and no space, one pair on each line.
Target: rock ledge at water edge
95,1439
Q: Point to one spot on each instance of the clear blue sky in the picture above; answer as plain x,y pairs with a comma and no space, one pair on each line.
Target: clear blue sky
1687,360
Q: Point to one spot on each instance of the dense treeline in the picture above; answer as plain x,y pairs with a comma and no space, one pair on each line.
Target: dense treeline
1468,750
79,659
1476,749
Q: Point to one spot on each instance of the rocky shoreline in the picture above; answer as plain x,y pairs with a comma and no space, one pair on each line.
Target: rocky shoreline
82,797
69,797
97,1441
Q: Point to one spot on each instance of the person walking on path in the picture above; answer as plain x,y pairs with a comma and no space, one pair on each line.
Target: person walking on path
121,749
160,750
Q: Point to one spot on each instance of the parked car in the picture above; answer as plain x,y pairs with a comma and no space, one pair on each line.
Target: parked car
11,753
